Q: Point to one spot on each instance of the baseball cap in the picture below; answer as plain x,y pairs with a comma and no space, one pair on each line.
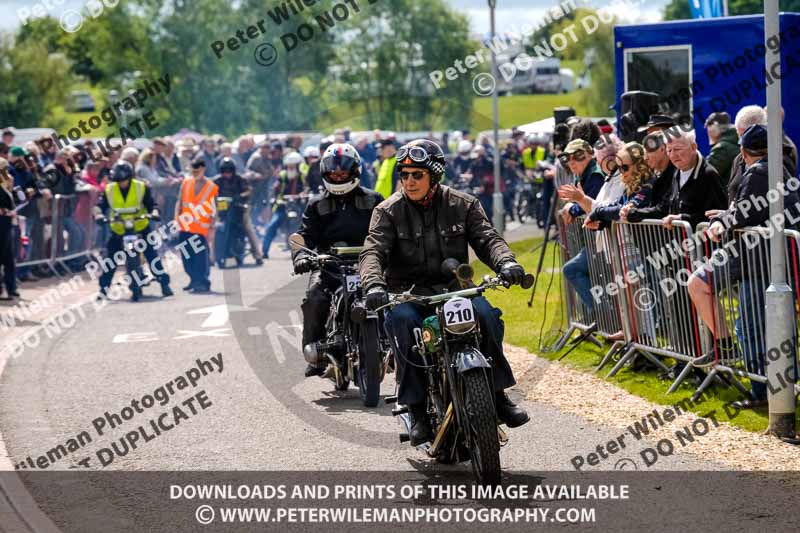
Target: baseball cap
722,119
577,145
754,138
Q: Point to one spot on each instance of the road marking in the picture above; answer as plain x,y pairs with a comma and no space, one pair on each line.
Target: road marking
218,314
144,336
189,334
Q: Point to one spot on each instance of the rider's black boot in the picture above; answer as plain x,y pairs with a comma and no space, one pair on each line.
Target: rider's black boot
508,412
420,426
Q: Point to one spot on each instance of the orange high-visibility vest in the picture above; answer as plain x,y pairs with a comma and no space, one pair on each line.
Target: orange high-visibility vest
196,211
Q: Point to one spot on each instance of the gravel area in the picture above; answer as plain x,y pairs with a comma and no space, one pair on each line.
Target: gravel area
601,402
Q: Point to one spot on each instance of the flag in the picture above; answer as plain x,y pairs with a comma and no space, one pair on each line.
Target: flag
706,9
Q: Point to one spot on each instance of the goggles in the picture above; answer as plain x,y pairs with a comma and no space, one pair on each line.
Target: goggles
417,154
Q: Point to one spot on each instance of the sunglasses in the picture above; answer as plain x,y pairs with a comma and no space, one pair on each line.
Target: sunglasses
625,168
196,166
578,156
418,175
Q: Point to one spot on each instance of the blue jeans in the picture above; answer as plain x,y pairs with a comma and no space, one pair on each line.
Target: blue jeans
278,218
400,323
196,264
576,270
751,332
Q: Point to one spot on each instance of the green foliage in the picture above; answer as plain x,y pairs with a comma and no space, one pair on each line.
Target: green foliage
385,67
34,82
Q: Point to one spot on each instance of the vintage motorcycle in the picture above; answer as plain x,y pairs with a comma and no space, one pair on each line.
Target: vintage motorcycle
460,389
230,234
355,347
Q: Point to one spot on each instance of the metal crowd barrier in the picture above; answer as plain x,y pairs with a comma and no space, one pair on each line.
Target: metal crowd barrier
659,319
62,232
604,321
739,283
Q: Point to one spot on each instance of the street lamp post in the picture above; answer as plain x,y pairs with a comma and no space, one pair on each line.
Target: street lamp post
499,217
779,299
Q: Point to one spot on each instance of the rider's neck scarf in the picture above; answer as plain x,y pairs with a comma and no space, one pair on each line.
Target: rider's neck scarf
427,201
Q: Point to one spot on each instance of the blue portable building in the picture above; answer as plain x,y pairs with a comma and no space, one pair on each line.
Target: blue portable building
702,66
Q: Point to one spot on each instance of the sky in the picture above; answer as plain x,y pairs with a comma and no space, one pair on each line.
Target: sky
511,14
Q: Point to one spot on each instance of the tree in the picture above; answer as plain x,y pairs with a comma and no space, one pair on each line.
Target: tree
34,83
384,65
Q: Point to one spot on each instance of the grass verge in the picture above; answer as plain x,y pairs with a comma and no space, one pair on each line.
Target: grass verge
525,326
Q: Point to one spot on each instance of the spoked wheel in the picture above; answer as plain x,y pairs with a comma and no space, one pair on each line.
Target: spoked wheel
484,446
370,363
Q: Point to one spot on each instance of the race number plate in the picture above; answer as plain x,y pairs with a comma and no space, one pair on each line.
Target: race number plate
353,283
459,315
222,204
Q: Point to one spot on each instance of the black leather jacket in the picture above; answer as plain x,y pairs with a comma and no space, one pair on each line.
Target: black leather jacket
330,219
407,244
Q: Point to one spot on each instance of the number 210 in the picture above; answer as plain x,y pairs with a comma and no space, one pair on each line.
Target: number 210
460,316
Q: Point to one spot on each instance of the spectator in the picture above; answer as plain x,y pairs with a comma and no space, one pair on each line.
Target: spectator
368,155
7,240
657,123
259,171
48,153
4,151
8,136
225,150
751,275
146,169
172,159
91,175
388,178
162,166
724,144
276,157
186,154
240,157
637,179
62,174
655,154
461,163
131,155
511,172
696,188
482,170
209,155
312,157
579,157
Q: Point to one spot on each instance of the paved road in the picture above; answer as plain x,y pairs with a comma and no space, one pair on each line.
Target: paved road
262,415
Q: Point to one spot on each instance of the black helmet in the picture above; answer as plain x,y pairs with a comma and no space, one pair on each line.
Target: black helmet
227,165
340,156
422,153
122,171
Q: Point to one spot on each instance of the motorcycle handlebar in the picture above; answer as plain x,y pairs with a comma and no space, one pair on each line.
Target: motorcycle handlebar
488,283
